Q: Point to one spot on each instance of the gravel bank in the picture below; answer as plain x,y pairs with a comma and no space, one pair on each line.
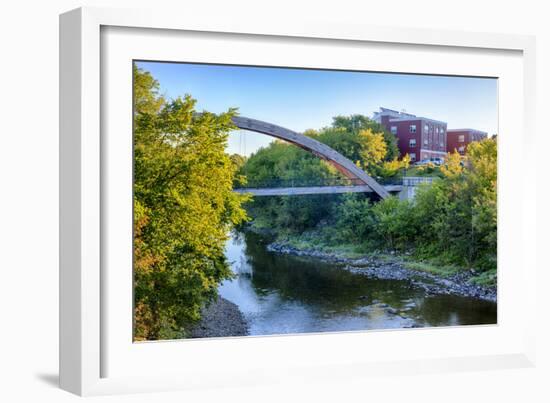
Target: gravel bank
457,284
221,318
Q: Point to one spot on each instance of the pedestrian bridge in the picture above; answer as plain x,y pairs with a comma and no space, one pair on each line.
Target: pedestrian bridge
356,180
404,187
314,190
341,163
312,187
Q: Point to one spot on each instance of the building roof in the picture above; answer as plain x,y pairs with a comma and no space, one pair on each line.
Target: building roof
396,116
466,130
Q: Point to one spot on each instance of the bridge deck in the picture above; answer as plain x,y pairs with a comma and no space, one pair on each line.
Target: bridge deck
294,191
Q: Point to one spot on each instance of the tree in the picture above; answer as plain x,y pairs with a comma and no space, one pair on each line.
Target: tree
482,167
456,217
365,142
354,221
453,166
374,148
356,123
389,169
392,223
283,164
184,207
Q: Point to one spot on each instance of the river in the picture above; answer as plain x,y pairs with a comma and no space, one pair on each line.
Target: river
281,294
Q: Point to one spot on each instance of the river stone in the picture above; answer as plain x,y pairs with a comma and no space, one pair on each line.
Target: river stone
221,318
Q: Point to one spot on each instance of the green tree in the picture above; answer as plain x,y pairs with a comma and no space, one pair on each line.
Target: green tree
354,219
365,142
456,217
283,164
482,168
356,123
184,208
392,223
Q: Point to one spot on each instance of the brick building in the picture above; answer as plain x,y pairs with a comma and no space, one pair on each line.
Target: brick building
458,139
420,137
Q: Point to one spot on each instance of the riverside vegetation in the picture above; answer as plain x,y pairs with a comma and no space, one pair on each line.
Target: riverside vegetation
183,174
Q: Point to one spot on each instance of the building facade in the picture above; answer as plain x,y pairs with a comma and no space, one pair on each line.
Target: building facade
458,139
419,137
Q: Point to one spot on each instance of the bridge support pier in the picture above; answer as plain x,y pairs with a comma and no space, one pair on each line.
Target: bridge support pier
407,192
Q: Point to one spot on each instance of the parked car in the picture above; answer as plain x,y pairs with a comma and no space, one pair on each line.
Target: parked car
437,161
425,161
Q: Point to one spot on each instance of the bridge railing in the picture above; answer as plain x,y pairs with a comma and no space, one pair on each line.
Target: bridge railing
313,182
416,180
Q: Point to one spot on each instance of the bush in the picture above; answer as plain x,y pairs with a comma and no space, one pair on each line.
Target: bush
392,223
354,221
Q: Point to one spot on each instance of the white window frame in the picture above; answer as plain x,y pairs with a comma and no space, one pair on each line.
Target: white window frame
461,138
258,360
412,143
393,129
412,128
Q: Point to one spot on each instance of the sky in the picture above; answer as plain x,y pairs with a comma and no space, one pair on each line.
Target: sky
300,99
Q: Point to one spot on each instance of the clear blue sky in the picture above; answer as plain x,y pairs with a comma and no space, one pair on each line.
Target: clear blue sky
308,99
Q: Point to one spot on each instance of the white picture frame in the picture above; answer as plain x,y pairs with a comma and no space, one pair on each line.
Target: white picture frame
96,357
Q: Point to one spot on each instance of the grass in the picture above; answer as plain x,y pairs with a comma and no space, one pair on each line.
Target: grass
313,241
428,267
488,278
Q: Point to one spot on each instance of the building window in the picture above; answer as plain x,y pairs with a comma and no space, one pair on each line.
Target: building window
393,130
426,128
412,128
413,157
426,140
461,149
412,143
461,138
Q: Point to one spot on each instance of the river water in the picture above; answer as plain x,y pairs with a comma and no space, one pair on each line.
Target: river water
280,294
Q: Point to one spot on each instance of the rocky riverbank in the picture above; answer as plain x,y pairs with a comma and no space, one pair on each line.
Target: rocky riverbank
221,318
456,284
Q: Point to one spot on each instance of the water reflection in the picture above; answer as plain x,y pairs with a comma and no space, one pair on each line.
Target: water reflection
288,294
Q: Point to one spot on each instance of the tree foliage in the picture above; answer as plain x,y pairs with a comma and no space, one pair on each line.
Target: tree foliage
184,208
357,123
